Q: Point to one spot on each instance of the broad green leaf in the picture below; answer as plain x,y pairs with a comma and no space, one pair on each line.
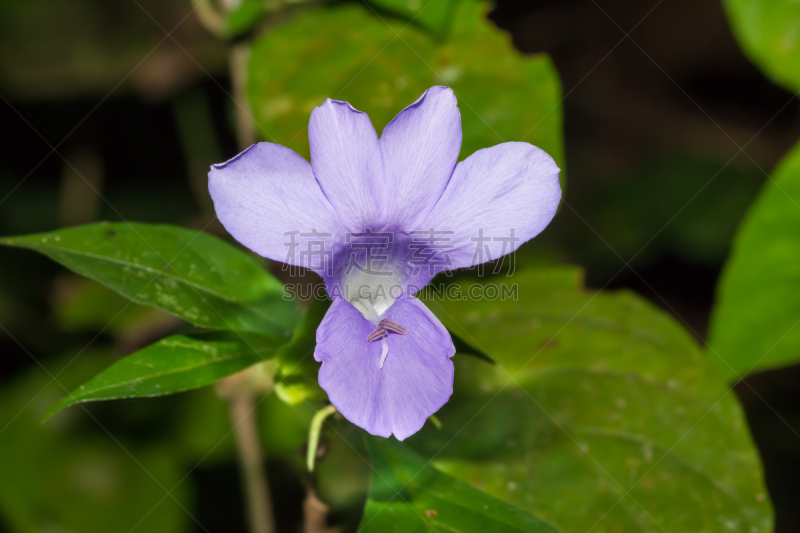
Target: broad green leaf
433,15
769,33
171,365
601,414
756,319
188,273
380,67
72,476
408,494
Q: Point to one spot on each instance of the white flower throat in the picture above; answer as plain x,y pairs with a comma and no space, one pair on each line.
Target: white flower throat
373,295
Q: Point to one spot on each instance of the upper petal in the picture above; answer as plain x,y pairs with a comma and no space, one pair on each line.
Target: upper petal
497,199
347,162
416,378
267,198
420,148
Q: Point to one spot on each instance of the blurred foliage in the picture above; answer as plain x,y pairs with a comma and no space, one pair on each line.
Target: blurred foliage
660,209
769,32
342,471
102,469
380,66
201,432
20,215
757,313
436,17
57,477
602,413
244,17
407,490
74,48
194,120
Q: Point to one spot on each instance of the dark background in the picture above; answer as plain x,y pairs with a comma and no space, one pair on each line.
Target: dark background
659,102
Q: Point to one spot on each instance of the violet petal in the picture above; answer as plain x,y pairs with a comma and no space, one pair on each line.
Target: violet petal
347,162
416,378
420,148
267,191
509,186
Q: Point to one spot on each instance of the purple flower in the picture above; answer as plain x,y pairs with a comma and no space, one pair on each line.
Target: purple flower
378,218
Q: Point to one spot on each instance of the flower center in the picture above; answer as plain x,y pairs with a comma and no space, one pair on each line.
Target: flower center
372,294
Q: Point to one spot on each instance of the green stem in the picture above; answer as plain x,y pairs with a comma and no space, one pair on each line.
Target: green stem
313,436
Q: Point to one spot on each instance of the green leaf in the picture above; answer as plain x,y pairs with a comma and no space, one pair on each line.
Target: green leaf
297,374
188,273
464,347
85,305
381,67
756,319
769,33
244,17
171,365
433,15
408,494
601,414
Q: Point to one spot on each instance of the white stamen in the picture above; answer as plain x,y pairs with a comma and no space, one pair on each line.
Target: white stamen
384,350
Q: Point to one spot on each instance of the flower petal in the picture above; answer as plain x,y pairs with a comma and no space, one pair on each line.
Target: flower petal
267,192
420,148
416,378
347,162
509,187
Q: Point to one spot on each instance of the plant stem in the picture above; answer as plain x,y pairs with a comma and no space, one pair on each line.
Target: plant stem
251,461
238,58
313,436
315,513
208,16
